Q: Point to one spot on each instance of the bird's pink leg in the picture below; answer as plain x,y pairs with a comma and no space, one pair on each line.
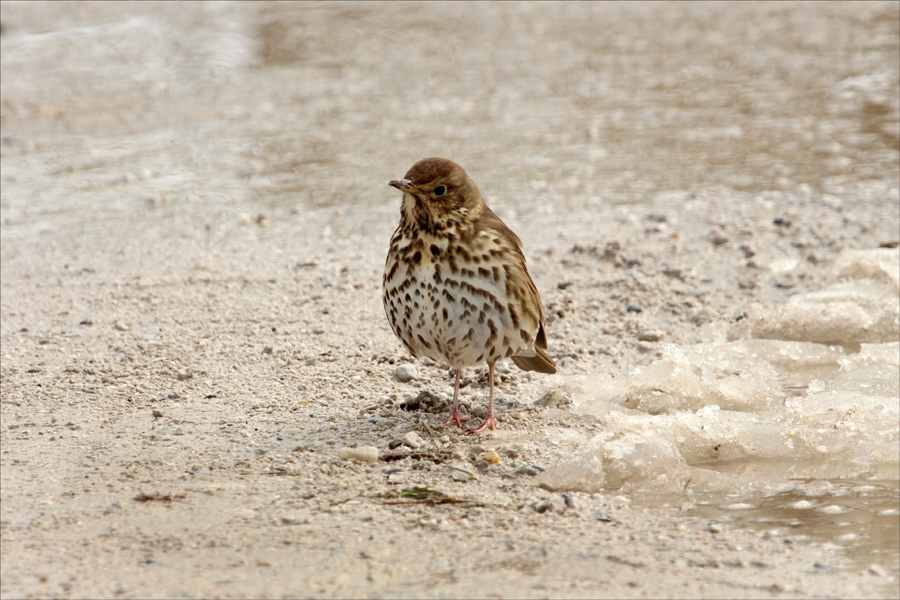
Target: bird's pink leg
490,421
456,416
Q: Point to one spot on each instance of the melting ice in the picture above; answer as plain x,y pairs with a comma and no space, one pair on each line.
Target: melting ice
798,404
811,389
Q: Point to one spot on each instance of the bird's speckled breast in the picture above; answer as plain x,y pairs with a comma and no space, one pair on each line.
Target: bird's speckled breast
448,312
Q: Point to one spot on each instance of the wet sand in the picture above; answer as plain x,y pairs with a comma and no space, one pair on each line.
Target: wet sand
194,221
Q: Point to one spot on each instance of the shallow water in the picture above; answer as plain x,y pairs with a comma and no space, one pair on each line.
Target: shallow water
861,516
791,436
816,460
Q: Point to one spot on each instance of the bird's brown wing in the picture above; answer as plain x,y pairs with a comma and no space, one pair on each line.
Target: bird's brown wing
536,360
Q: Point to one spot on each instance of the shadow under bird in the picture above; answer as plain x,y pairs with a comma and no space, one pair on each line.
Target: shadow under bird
456,288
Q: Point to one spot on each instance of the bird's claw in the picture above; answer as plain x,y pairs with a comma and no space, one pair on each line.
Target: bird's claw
489,423
456,418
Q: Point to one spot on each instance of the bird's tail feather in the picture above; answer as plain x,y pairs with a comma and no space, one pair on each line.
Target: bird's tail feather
539,361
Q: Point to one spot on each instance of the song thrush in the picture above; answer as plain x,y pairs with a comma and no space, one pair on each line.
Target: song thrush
455,286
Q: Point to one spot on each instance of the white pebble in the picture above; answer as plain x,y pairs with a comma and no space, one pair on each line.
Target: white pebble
802,505
740,506
413,440
834,509
406,372
460,476
367,454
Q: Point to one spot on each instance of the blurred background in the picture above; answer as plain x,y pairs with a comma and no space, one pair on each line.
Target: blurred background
321,103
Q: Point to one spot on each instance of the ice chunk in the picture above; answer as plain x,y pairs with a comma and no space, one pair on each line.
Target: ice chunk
847,314
582,474
638,458
863,416
685,379
716,415
726,436
781,354
875,370
880,265
887,355
757,413
612,461
877,380
864,307
797,363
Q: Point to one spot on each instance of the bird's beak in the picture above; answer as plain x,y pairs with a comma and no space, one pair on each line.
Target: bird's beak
403,185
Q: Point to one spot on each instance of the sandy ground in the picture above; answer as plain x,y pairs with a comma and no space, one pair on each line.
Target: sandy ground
194,221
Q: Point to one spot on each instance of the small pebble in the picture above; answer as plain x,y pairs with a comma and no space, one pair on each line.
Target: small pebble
530,470
555,504
422,400
394,443
406,373
397,453
157,413
413,440
833,509
367,454
802,505
294,519
553,399
460,476
490,456
183,375
877,570
718,238
651,336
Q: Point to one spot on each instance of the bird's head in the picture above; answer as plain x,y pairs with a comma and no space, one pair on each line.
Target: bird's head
437,191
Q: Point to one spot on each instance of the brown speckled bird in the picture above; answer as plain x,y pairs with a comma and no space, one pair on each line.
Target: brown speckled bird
455,287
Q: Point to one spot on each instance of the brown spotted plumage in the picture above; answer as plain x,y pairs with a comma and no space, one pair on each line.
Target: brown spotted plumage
456,288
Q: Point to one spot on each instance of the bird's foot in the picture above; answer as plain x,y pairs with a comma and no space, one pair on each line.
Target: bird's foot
489,423
456,418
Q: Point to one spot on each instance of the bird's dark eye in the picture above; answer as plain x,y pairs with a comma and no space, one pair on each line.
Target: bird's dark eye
440,190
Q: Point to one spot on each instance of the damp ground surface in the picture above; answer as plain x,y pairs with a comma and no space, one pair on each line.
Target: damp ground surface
194,219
